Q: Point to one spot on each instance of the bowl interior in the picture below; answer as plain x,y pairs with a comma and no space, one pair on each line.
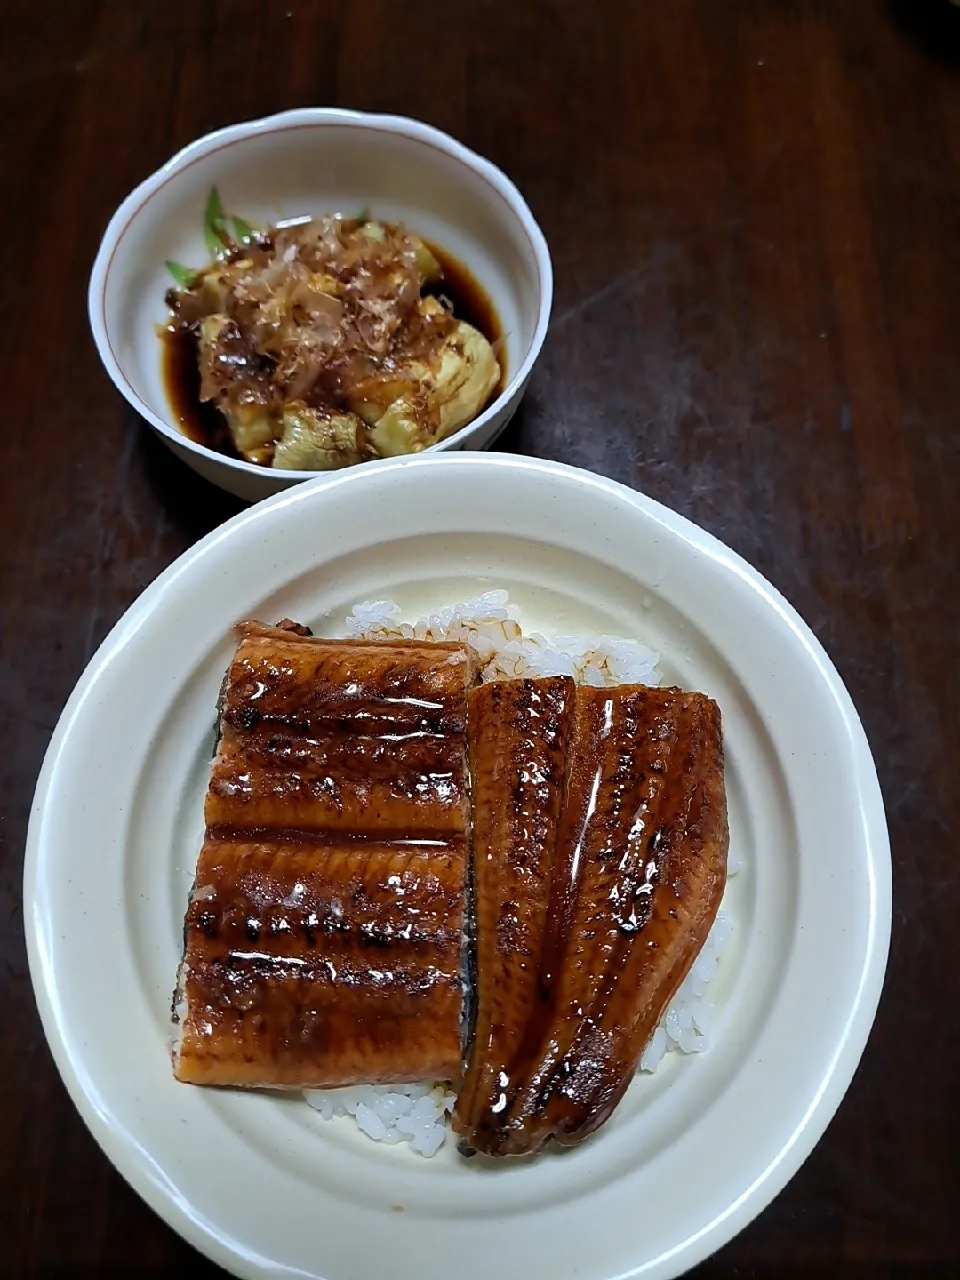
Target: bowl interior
288,169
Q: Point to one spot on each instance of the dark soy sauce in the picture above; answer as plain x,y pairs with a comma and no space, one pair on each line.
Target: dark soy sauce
199,421
471,304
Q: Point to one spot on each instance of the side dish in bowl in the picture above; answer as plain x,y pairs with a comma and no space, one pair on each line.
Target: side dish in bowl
323,342
303,178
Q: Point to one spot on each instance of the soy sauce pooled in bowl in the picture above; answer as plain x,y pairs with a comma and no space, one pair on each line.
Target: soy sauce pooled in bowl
327,343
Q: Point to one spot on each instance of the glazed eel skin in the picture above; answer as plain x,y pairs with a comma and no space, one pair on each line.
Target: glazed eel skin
600,844
322,940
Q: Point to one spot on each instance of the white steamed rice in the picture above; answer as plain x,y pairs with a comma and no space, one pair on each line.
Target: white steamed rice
418,1113
491,626
414,1113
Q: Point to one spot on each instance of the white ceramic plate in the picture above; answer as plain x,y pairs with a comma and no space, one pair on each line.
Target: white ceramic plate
261,1183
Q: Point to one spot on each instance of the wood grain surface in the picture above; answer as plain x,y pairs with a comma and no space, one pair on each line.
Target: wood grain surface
754,214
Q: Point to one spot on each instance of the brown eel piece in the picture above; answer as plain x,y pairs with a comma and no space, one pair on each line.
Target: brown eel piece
600,845
323,935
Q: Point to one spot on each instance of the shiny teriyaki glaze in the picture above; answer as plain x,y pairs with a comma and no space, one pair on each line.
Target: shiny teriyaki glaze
615,796
322,940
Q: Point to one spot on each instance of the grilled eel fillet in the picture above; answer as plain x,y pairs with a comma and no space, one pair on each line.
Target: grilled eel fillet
323,935
600,844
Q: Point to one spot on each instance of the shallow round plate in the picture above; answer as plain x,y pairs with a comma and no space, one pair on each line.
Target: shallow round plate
261,1183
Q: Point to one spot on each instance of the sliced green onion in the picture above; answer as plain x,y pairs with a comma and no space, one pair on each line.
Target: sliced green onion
215,234
183,275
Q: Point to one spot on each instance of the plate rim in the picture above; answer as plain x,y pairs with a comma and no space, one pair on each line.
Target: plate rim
846,1054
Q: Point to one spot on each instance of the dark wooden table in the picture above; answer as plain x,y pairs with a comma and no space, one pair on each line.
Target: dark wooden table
754,212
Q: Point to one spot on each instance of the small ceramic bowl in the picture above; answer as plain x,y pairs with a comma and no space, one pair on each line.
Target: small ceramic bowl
316,161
